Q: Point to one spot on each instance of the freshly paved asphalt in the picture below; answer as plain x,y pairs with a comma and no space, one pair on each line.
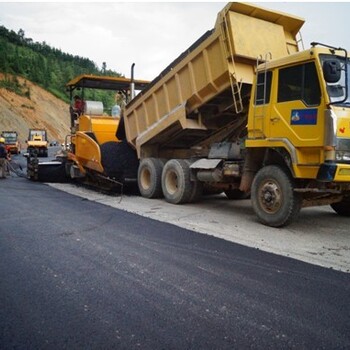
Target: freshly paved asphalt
80,275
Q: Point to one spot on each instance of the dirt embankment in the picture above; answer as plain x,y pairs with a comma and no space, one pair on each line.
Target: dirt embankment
42,110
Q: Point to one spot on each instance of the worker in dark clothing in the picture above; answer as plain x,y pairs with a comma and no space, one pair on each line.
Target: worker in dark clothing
78,105
3,159
77,109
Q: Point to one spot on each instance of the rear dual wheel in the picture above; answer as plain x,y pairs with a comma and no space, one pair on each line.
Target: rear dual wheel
171,180
177,185
149,177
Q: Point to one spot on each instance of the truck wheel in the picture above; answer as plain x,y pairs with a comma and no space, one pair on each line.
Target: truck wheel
176,184
342,208
273,198
236,194
149,177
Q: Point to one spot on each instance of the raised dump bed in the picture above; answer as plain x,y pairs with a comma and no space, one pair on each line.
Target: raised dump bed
202,96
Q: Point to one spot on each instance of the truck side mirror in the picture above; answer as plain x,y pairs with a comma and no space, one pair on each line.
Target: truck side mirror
331,71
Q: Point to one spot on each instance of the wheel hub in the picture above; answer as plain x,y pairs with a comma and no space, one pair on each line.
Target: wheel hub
270,197
145,179
172,182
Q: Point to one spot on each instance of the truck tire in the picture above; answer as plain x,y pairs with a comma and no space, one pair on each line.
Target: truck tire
342,208
176,183
273,197
149,177
119,161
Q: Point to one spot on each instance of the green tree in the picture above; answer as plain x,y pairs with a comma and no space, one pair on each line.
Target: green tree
49,67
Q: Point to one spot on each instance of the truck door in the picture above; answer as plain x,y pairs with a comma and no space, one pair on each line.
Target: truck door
297,114
260,108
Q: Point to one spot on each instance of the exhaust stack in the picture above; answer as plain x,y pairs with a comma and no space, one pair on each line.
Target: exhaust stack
132,84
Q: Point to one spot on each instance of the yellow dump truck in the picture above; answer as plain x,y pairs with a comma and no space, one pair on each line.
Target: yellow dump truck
245,112
12,142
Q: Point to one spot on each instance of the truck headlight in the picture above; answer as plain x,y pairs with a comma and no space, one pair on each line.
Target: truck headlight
342,156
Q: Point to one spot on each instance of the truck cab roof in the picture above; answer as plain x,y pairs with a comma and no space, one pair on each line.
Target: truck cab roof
300,57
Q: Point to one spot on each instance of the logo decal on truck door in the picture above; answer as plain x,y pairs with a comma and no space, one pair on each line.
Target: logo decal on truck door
303,116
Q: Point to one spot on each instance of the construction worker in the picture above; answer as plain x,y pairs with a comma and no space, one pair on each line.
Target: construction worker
3,159
76,109
78,105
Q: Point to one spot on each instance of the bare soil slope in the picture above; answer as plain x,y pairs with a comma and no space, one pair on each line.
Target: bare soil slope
43,110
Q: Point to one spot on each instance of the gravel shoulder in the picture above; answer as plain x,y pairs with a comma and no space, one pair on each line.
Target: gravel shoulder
318,236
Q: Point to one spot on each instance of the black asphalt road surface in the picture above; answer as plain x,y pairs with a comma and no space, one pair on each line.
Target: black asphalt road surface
75,274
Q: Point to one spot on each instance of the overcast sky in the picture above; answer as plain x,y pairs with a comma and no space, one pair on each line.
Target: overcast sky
151,34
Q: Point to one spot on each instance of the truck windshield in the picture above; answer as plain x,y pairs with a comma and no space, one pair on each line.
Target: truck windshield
9,137
37,133
341,89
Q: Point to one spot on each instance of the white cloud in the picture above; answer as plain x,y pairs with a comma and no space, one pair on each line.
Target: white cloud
150,34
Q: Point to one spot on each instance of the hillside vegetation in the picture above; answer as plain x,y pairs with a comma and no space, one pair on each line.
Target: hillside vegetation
33,76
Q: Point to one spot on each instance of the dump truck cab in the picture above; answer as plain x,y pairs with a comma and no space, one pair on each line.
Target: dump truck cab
12,143
299,121
302,106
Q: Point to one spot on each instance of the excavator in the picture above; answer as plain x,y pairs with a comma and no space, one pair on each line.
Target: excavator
92,154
